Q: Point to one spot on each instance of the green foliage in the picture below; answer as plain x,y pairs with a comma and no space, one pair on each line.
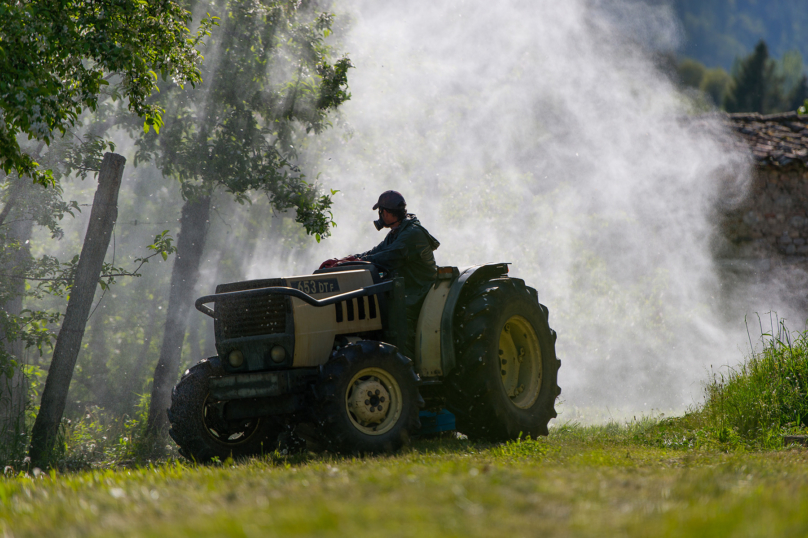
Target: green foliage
691,72
765,396
56,278
56,58
756,85
82,156
712,83
96,438
238,132
784,83
45,207
749,407
101,439
32,327
521,449
759,83
715,84
162,245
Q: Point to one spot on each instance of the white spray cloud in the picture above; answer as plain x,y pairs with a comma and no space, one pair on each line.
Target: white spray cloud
541,133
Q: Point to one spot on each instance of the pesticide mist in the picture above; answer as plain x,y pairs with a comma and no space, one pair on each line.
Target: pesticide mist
542,134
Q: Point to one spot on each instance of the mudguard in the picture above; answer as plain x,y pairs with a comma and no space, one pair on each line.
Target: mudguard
468,276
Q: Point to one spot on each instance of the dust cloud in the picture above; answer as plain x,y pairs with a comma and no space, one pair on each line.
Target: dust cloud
542,134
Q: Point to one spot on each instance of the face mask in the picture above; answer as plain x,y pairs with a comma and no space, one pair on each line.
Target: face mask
379,224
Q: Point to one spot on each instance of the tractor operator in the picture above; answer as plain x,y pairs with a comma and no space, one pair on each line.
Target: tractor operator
407,252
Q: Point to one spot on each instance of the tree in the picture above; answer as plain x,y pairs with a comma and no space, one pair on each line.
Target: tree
691,72
56,55
13,390
711,82
270,79
756,86
715,84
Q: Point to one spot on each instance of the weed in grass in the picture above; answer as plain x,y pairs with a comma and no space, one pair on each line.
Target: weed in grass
765,397
521,449
749,407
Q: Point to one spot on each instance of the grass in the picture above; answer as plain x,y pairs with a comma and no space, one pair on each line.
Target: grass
765,396
592,481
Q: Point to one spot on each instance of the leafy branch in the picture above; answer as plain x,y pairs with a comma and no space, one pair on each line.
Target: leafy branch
56,278
32,327
56,59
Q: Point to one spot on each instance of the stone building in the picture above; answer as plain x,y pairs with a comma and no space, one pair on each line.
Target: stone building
770,227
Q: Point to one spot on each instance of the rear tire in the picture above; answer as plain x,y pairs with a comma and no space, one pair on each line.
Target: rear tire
505,382
368,400
198,428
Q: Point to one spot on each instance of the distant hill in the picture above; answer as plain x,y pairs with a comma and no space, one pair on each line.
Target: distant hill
719,31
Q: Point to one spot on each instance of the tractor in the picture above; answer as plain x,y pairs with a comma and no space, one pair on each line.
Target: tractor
319,358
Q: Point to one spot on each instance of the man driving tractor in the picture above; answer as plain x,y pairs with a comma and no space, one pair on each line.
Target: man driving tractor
406,252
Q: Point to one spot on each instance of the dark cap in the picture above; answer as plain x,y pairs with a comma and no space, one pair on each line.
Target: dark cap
390,200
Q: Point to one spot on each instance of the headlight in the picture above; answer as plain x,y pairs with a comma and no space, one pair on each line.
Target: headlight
236,358
278,354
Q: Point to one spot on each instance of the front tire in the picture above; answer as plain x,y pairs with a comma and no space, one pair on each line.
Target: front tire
505,383
368,399
200,431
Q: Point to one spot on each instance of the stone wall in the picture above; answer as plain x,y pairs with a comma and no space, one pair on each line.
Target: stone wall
773,219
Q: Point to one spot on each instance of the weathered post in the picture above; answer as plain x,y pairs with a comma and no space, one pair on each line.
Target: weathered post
68,342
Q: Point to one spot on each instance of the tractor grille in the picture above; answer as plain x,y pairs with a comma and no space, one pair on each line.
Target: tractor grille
237,317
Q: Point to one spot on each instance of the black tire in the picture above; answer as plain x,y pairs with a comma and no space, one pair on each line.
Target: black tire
484,392
382,369
200,435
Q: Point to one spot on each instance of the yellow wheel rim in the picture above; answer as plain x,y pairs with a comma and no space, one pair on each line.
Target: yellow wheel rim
373,401
520,362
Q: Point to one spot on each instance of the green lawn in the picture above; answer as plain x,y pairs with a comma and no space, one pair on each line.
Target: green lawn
600,481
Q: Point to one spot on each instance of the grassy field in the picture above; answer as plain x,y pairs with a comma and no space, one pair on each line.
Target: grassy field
597,481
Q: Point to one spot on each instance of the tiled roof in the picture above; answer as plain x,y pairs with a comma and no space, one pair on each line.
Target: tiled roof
776,139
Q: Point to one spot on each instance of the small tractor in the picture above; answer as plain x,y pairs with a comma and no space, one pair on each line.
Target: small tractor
318,357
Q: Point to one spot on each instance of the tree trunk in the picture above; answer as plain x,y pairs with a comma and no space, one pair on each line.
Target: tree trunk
14,389
190,244
11,202
96,241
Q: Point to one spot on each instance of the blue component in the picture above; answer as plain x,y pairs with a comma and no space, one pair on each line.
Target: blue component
442,421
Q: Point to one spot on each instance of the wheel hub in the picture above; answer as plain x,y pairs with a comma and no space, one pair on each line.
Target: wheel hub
520,362
369,401
373,400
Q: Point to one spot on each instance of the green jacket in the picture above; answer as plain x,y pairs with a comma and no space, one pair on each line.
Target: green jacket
407,252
